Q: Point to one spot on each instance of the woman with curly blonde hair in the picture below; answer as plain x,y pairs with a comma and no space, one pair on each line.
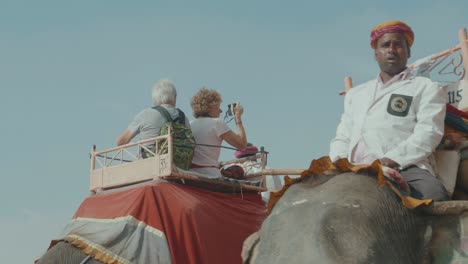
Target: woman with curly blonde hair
209,129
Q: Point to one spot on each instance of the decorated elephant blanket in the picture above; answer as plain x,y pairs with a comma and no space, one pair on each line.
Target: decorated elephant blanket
324,165
165,223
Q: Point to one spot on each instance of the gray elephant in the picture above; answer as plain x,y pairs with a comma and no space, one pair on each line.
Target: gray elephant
65,253
347,218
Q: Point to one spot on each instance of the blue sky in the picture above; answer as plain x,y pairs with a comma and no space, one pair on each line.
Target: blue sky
74,74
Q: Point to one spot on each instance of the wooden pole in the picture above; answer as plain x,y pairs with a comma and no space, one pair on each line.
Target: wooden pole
463,45
170,149
448,208
274,172
264,163
93,158
463,38
241,160
93,165
131,144
348,84
445,52
463,83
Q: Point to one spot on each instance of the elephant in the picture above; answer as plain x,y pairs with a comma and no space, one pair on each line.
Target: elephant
65,253
347,218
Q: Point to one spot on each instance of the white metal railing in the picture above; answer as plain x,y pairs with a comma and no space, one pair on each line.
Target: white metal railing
262,156
128,152
124,165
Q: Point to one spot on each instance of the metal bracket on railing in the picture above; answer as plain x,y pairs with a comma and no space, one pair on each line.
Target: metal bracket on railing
264,153
93,150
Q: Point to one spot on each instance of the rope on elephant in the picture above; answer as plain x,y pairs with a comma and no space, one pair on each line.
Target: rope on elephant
85,260
324,165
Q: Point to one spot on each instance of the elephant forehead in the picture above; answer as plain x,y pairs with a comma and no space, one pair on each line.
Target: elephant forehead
344,219
347,189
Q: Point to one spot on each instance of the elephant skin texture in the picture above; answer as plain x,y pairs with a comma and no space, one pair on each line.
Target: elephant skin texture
346,218
65,253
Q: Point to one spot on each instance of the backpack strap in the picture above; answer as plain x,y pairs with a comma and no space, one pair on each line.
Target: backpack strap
164,113
180,118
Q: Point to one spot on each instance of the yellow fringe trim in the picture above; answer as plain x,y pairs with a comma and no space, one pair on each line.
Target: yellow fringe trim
99,254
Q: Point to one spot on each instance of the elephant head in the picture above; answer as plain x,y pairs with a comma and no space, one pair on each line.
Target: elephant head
347,218
65,253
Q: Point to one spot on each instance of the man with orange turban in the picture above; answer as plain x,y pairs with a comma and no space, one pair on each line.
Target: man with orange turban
396,118
393,26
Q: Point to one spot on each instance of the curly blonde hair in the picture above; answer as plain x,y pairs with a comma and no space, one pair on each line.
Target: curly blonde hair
204,100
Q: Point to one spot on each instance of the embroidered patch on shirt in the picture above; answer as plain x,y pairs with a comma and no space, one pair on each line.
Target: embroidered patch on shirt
399,104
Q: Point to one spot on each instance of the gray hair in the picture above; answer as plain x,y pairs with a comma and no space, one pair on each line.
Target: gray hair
164,92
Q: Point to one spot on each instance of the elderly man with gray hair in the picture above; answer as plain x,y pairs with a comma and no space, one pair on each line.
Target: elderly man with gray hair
149,121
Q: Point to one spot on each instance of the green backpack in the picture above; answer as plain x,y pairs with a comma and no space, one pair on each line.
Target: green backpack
183,141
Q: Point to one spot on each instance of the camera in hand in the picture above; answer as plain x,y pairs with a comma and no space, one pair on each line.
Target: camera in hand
230,110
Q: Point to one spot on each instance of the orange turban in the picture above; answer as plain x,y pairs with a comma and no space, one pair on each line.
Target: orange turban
393,26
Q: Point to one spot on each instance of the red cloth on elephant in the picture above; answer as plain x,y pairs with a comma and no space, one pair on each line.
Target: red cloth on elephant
456,111
199,226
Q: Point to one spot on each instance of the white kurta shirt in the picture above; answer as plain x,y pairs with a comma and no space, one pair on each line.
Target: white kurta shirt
360,154
405,122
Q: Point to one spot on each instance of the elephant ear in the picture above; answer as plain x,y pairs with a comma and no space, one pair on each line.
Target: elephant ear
249,248
64,252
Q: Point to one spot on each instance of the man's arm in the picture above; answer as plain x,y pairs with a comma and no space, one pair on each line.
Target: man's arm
125,137
389,163
339,146
428,131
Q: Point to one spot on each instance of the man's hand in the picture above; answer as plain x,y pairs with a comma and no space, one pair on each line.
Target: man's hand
451,141
389,163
